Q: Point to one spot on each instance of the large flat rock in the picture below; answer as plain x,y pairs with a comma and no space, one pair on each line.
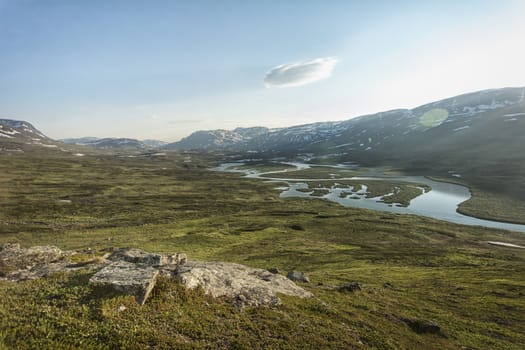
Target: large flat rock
138,256
127,278
250,286
16,258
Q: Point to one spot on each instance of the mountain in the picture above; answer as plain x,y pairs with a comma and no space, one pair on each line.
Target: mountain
478,136
81,141
377,132
154,143
17,135
115,143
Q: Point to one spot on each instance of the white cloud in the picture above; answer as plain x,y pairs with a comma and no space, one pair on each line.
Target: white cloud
300,73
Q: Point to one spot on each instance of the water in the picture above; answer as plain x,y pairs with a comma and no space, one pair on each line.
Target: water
440,203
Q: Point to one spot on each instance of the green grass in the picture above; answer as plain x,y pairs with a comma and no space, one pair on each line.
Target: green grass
438,271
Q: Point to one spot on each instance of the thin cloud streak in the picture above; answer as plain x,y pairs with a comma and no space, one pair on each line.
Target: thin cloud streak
300,73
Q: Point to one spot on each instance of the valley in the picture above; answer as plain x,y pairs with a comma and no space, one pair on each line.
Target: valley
252,175
408,225
410,267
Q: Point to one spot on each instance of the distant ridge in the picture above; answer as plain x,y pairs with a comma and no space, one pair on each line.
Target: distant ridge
18,134
114,143
383,128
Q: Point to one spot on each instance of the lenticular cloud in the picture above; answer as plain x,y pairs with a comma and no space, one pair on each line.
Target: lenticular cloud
300,73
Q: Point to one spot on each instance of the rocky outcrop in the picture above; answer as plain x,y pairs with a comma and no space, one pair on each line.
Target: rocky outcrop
134,272
17,264
16,258
247,286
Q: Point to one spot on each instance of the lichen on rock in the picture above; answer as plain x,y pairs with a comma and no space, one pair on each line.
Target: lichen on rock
249,286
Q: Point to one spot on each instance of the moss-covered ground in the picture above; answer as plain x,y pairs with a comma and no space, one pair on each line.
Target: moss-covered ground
409,267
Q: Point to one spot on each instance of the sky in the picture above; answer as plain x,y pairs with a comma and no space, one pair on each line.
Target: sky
163,69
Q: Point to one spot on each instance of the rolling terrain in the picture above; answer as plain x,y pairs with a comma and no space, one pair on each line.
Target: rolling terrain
411,269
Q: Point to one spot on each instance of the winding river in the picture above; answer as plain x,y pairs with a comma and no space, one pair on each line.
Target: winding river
441,202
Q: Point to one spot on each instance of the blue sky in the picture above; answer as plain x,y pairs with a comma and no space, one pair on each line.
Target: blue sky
162,69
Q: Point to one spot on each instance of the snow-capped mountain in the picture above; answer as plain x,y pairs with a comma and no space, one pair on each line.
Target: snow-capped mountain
477,136
18,134
114,143
154,143
431,125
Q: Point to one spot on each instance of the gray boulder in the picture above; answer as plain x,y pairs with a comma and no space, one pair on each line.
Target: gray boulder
248,286
30,263
297,276
15,258
128,278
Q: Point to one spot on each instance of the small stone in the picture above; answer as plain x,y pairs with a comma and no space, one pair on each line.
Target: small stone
273,270
122,308
297,276
350,287
422,326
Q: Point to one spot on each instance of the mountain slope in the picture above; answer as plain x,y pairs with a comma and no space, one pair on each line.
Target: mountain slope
17,135
477,137
378,131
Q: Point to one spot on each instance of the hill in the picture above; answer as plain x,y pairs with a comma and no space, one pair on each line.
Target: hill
18,135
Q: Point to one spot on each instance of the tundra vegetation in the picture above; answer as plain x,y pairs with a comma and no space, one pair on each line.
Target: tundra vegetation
379,280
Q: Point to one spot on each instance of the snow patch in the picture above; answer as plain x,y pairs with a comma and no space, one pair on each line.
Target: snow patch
461,128
504,244
343,145
10,132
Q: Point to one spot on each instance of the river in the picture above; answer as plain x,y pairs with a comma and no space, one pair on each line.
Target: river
441,202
